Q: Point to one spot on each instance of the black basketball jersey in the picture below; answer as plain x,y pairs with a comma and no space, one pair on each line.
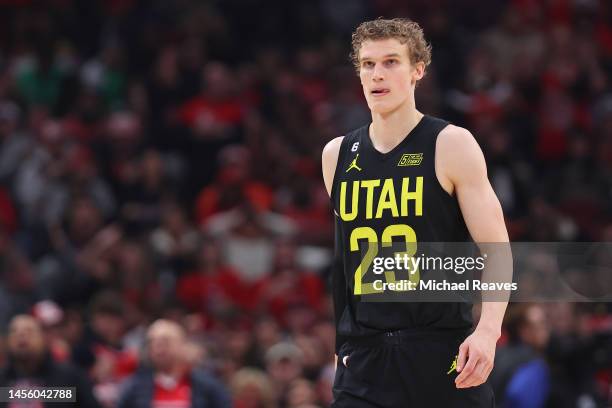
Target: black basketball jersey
390,196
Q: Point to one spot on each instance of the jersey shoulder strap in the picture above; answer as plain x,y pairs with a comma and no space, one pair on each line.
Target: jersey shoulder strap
350,144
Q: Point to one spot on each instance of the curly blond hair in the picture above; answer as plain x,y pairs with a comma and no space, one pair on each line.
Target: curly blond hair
404,30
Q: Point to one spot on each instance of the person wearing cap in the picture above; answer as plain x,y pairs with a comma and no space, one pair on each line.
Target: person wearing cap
283,365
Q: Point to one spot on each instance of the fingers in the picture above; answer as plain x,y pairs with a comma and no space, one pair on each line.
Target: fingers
466,373
478,376
476,371
463,352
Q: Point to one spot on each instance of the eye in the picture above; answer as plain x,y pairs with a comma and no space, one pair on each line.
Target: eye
367,64
391,62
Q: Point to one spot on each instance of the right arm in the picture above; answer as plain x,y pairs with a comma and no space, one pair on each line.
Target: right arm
329,161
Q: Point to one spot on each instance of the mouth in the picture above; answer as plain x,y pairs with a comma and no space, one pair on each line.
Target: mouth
380,91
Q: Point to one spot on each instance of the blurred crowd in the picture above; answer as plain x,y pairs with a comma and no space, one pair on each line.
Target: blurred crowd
164,227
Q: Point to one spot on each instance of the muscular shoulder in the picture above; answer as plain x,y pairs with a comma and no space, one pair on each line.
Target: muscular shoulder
329,161
456,138
458,157
332,149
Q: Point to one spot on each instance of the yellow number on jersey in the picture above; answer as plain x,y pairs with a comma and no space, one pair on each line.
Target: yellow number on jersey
387,237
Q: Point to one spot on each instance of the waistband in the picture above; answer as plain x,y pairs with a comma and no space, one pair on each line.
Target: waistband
407,335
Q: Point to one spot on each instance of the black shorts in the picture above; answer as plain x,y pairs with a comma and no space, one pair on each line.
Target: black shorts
405,369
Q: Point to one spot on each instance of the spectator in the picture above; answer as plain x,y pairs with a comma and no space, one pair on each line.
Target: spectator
175,242
521,376
251,388
30,365
169,381
284,365
213,287
101,351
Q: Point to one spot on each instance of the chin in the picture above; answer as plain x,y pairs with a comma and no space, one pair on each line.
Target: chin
381,108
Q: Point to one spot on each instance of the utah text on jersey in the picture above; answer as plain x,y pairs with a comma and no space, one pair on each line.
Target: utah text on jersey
387,203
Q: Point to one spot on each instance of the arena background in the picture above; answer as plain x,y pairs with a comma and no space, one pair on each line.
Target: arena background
162,159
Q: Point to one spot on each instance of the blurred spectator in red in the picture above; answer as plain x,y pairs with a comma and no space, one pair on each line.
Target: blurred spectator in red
304,200
218,109
30,365
288,285
248,239
138,281
101,351
232,186
170,380
213,288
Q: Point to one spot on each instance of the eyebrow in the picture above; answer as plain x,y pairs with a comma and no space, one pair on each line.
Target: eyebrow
393,55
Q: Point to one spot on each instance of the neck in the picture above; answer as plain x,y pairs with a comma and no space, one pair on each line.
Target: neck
389,129
175,371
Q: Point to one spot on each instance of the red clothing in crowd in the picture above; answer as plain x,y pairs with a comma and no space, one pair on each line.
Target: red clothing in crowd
304,289
198,291
229,111
167,394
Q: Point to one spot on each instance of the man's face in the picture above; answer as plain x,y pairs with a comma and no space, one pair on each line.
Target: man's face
166,343
387,76
25,338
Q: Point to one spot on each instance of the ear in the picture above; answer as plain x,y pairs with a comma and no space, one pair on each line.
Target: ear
418,71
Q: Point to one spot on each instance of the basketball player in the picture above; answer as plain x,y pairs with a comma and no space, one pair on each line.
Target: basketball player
429,179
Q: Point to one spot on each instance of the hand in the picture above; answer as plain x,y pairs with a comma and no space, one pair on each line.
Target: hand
479,351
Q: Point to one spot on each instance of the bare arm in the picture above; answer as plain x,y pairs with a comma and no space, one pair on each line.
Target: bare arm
463,171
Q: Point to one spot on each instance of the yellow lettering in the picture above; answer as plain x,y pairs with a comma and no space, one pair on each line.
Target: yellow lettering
387,200
354,203
370,185
416,195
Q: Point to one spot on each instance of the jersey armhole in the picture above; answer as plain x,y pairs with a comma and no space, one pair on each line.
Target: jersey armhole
435,148
339,162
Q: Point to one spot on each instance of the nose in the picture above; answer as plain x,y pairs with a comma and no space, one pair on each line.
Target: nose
377,73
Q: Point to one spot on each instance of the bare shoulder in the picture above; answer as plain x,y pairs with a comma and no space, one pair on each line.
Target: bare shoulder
329,160
456,138
332,148
458,156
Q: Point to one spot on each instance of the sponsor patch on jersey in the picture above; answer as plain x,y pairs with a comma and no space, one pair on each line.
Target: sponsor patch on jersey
410,159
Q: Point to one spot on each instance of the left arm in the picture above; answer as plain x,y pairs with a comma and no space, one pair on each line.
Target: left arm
462,168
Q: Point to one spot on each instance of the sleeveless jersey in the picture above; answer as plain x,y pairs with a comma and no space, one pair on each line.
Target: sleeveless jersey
381,197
